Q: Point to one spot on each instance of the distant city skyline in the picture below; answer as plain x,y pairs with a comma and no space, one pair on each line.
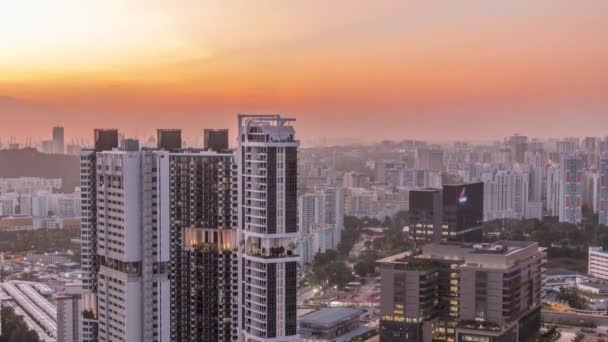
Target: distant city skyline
345,70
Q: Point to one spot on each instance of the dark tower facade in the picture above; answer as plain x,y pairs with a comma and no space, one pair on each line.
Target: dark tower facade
204,261
463,211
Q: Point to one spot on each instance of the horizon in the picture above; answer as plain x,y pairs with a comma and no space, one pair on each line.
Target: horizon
345,70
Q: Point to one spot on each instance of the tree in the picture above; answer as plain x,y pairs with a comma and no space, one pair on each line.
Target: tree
572,297
330,269
366,264
14,328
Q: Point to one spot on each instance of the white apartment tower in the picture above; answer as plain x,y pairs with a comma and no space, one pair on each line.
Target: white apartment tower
267,160
552,190
125,251
505,194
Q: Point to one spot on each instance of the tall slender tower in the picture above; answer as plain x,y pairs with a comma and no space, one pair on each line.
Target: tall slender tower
267,160
571,188
125,253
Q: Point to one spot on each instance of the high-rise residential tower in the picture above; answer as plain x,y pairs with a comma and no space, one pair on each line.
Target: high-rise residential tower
571,189
125,252
267,161
103,140
202,220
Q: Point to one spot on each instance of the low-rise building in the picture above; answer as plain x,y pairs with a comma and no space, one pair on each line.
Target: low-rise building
463,292
598,262
327,324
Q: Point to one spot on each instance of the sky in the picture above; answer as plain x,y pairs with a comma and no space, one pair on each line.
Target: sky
345,69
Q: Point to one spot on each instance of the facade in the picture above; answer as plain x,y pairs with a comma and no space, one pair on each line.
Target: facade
202,220
463,292
320,222
125,283
505,194
571,189
69,318
598,262
267,159
553,190
463,211
133,278
104,140
425,216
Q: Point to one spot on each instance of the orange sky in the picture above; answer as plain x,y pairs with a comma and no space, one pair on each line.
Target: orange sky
469,69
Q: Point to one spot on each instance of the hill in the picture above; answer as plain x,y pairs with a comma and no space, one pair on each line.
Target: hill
28,162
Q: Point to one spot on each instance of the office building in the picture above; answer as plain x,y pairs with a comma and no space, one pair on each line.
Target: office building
571,189
328,324
463,211
267,160
216,139
425,216
463,292
598,262
58,140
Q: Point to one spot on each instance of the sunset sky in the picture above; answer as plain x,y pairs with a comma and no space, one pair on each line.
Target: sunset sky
470,69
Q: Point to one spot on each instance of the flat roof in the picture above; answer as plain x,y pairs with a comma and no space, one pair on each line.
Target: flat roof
329,316
596,285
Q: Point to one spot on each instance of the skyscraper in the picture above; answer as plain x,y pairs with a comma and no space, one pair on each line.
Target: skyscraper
506,193
571,189
133,284
58,140
103,140
425,216
463,211
553,190
202,220
187,245
267,161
